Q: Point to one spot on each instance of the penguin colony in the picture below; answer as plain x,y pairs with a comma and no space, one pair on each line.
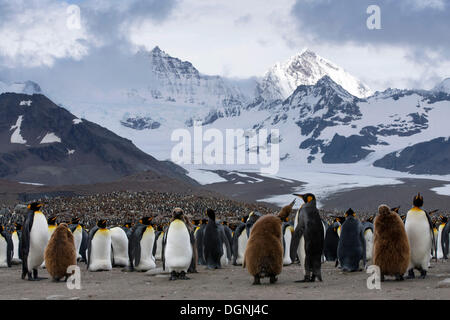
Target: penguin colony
261,242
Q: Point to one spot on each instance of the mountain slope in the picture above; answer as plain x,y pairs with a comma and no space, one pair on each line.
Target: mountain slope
43,143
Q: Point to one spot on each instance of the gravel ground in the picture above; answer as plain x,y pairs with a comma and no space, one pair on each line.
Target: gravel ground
229,283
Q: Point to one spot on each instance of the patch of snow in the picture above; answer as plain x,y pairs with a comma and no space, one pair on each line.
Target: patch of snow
50,138
205,177
32,183
69,152
77,121
444,190
25,103
16,137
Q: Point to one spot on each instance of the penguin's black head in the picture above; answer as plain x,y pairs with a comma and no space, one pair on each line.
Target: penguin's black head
211,214
418,201
196,222
101,223
51,221
204,221
2,228
350,213
177,213
127,225
308,197
225,223
35,206
18,226
146,221
75,221
443,219
244,219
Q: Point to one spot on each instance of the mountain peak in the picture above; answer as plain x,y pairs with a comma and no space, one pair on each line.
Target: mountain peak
444,86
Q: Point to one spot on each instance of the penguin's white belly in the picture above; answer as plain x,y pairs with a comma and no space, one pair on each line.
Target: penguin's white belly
158,253
224,257
419,236
16,241
440,253
287,245
242,244
3,252
368,236
147,261
119,242
77,237
38,241
100,258
178,249
301,251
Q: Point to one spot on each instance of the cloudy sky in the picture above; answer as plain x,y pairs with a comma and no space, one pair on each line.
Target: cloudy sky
234,38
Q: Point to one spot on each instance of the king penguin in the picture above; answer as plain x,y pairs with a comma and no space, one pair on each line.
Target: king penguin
419,229
178,246
157,248
331,242
440,237
84,244
17,245
119,247
216,250
309,227
140,248
368,238
51,228
198,234
99,248
77,232
352,244
288,230
6,248
34,241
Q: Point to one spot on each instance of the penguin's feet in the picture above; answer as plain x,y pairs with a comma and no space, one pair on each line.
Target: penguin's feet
273,279
319,277
410,274
182,276
382,278
306,279
398,277
173,275
423,274
257,280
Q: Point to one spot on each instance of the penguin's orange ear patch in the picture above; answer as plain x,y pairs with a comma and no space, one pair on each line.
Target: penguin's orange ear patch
309,199
29,206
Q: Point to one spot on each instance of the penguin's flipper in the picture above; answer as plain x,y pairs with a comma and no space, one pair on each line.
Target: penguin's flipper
91,236
430,223
298,233
226,242
155,242
25,240
9,250
445,240
362,239
163,251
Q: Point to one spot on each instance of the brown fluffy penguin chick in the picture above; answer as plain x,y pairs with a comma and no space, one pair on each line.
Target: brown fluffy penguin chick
263,255
391,247
60,252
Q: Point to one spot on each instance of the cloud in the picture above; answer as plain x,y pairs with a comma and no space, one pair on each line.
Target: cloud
35,32
243,20
411,23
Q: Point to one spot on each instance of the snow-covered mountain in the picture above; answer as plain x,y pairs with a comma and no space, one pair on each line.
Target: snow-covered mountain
27,87
444,86
306,68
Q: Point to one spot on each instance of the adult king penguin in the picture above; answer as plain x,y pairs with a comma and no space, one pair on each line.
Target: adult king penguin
352,244
440,237
419,229
217,251
309,227
34,241
77,231
445,239
140,248
178,246
99,248
157,247
331,242
17,245
6,248
368,238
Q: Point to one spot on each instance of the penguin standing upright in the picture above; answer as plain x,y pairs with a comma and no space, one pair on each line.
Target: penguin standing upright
391,248
178,246
445,239
77,231
84,244
287,232
352,244
119,246
216,245
228,234
6,248
419,229
198,234
368,238
34,241
331,242
140,248
264,251
440,242
99,248
17,245
157,247
309,227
